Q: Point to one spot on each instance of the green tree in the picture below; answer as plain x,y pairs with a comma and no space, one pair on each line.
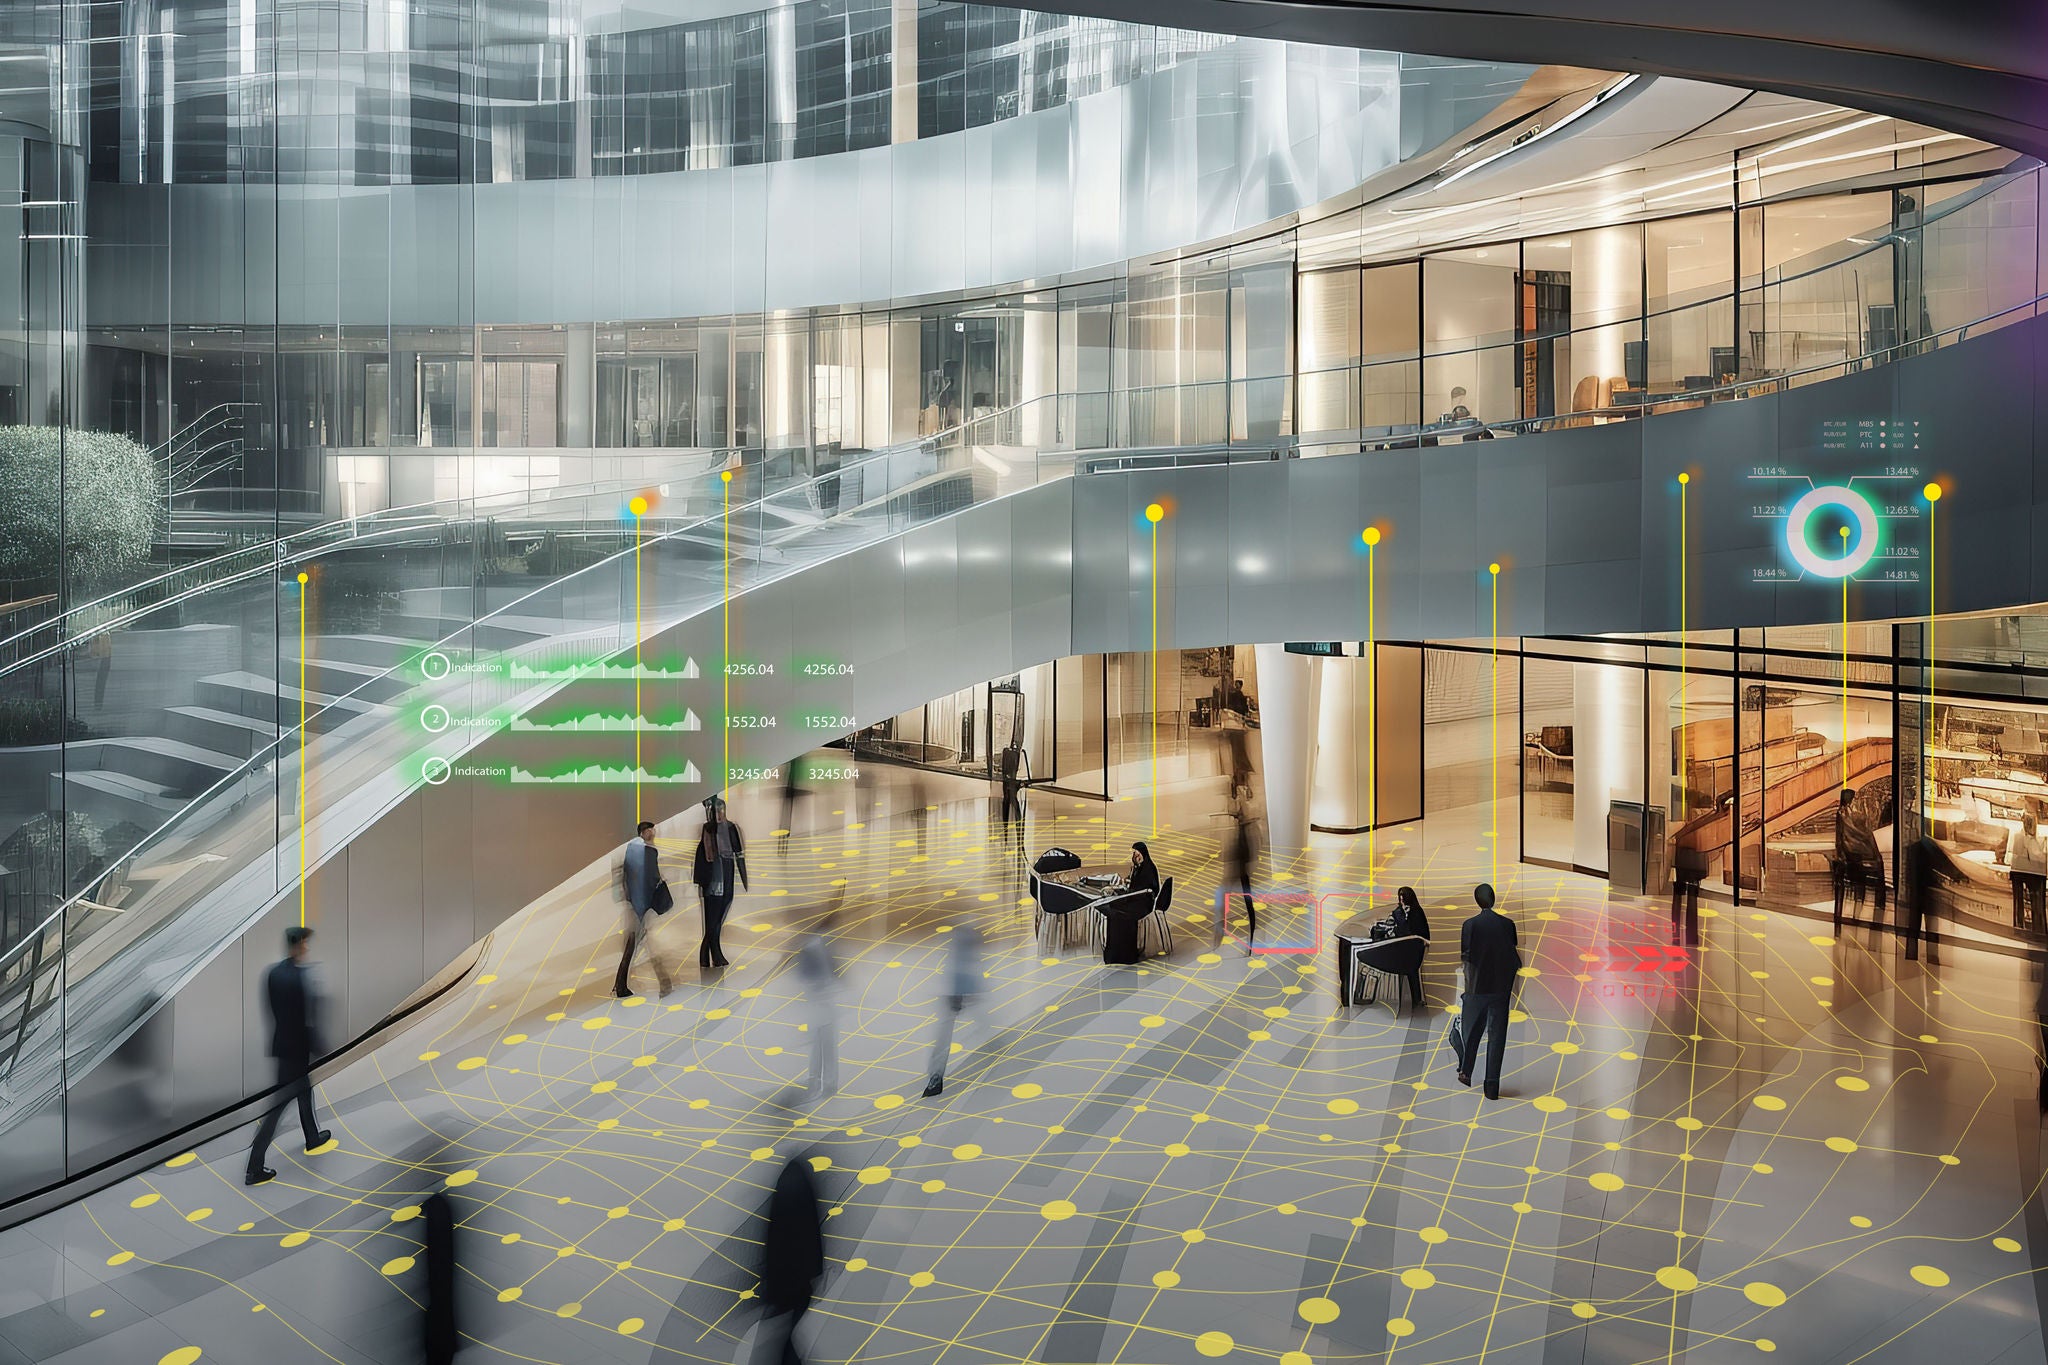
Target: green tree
86,502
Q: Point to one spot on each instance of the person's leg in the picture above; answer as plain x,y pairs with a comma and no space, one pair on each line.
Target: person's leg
717,927
1496,1042
259,1148
621,982
711,916
942,1043
307,1124
1471,1023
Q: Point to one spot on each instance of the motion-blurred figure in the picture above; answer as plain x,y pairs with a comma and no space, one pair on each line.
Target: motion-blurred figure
443,1333
1013,766
1240,853
294,1043
645,893
795,787
792,1259
817,971
721,861
961,988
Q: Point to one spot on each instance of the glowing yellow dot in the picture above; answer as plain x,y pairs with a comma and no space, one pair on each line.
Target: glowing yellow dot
1584,1310
932,1186
143,1201
1165,1279
184,1355
1151,1021
1763,1295
638,506
2005,1244
1852,1083
1493,568
1932,492
1770,1102
630,1326
1341,1107
1214,1343
1766,1345
921,1279
1400,1327
1549,1104
673,1225
1840,1144
303,578
1434,1236
1685,478
406,1214
1027,1091
888,1101
1057,1211
1418,1278
1194,1235
725,476
966,1151
1564,1049
184,1159
1371,535
1844,530
1931,1276
510,1295
121,1258
1606,1181
1678,1279
857,1264
1317,1311
568,1310
397,1265
873,1175
469,1063
428,1056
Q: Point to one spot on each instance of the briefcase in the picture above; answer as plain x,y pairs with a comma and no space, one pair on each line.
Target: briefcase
663,900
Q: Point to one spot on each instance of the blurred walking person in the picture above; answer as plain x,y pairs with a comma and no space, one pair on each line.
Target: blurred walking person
794,789
294,1043
721,862
1240,854
792,1259
817,972
961,987
645,893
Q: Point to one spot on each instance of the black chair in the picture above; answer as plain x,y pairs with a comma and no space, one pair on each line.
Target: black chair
1160,923
1061,903
1389,959
1122,919
1056,860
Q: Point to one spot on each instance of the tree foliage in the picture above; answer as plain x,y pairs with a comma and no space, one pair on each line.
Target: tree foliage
88,502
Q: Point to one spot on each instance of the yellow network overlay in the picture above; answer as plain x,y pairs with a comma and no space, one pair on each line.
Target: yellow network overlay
1191,1159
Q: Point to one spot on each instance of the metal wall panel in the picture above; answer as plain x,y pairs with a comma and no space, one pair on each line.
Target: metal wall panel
387,914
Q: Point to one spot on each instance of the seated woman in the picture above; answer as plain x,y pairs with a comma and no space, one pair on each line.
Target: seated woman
1144,872
1408,917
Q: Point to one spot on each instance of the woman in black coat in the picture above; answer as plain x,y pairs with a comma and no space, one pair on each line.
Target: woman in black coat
721,860
1144,872
1408,916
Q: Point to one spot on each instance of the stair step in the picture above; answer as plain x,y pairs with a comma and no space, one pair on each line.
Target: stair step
125,787
174,764
383,651
261,698
338,677
228,732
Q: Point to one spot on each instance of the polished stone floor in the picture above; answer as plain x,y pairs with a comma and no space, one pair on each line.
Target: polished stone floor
1777,1144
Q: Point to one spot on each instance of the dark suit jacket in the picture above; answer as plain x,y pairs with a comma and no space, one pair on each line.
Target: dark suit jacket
700,868
639,874
1487,947
294,1029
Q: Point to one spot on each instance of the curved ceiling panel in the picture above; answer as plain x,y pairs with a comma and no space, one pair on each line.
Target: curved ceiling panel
1987,76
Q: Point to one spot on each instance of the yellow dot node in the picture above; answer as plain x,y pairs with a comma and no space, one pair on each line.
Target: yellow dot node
1057,1210
1931,1276
1678,1279
1214,1344
1564,1049
121,1258
1606,1181
725,476
1194,1235
143,1201
1165,1279
1584,1310
873,1175
1341,1107
1154,512
1434,1236
1027,1091
1400,1327
1371,535
2005,1244
1770,1102
1763,1295
511,1295
921,1279
1685,478
398,1265
630,1326
1317,1310
294,1239
1418,1278
1840,1144
1932,492
184,1355
1549,1104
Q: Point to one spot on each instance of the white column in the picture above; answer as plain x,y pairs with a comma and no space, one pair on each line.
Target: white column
1607,753
1343,744
1287,728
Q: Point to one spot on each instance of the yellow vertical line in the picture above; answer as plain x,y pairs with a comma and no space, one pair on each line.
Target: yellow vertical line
1684,625
1845,666
1493,735
725,600
1933,495
1372,697
1155,679
639,768
303,578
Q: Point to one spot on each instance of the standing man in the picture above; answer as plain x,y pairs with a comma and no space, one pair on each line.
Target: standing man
294,1042
961,987
1487,947
721,858
642,888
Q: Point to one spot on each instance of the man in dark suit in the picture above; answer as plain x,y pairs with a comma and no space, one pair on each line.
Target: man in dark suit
1486,945
294,1043
640,886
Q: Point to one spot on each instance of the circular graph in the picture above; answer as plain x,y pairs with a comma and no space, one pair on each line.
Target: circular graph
1855,512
